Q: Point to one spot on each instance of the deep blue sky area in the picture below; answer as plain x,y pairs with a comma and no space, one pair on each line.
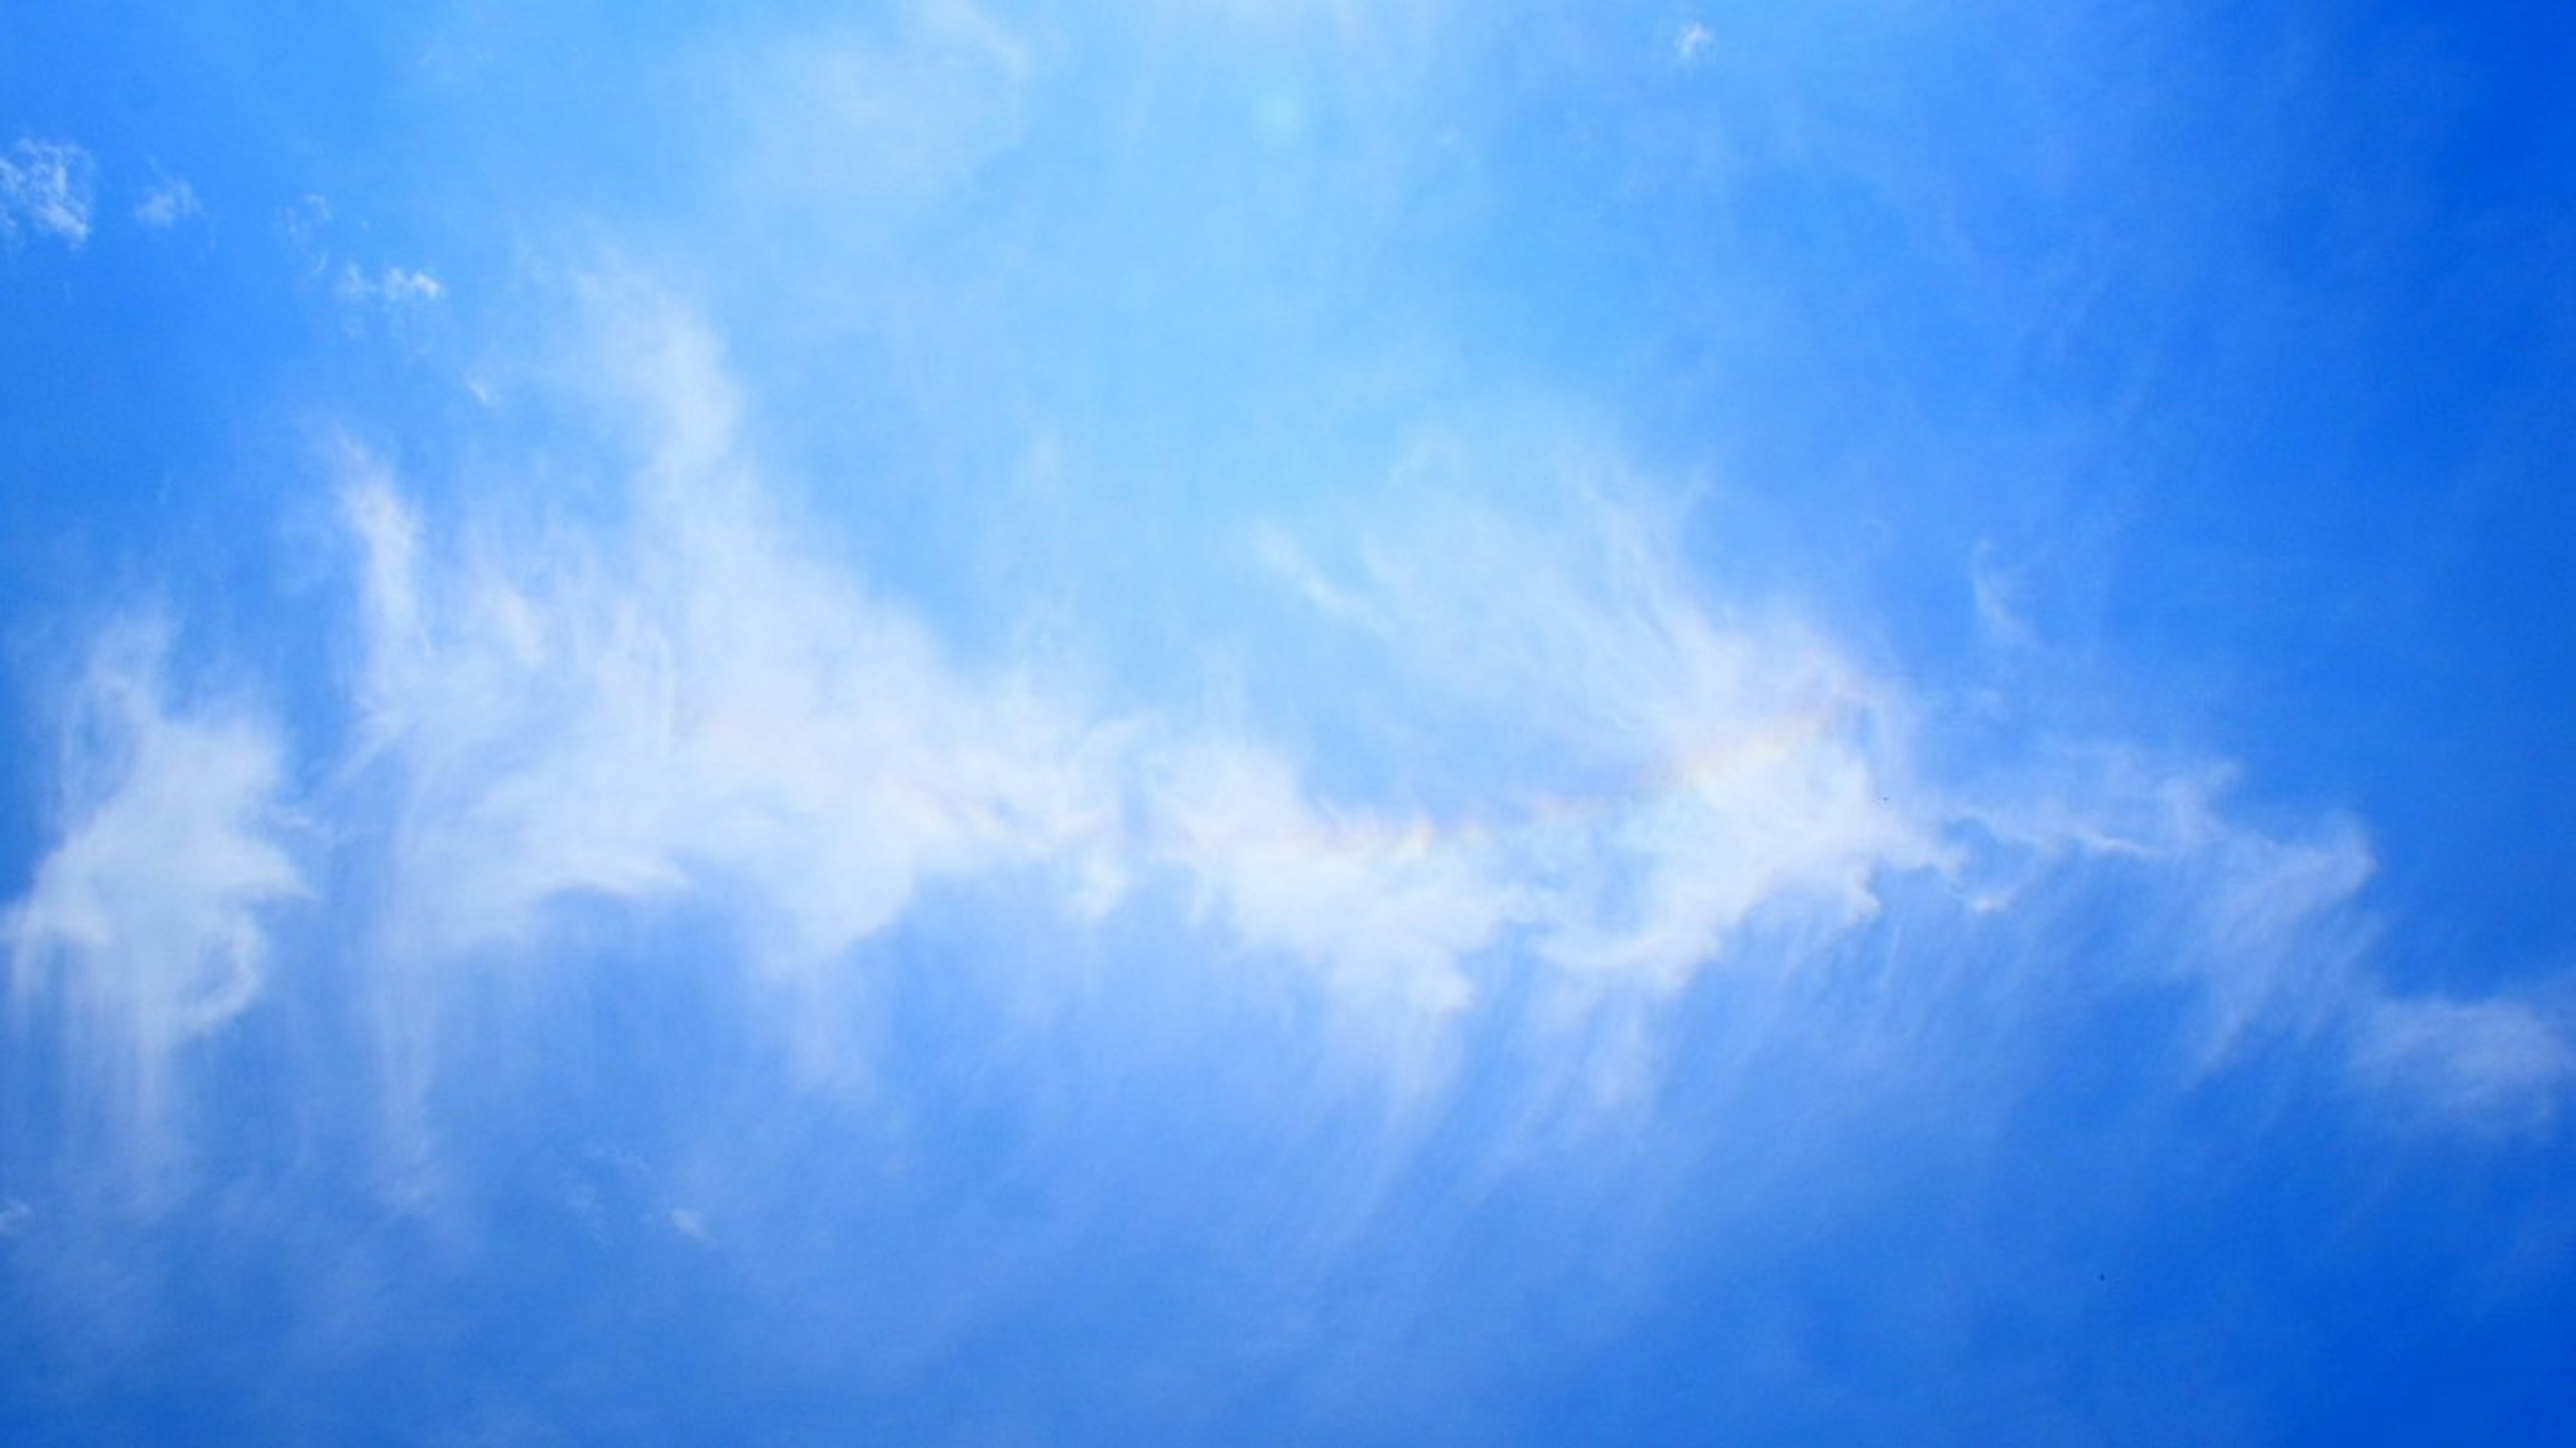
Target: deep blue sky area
1302,721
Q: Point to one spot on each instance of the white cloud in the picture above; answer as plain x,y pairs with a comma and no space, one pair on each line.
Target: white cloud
1389,910
2278,940
399,284
2266,927
683,709
686,702
147,917
1692,43
1679,770
47,185
692,703
167,204
393,286
2495,1061
404,302
392,293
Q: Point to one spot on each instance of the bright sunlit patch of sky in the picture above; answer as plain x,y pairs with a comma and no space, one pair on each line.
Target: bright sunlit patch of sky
1304,721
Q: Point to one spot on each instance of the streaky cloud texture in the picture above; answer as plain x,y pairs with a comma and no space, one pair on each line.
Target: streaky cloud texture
678,702
1286,721
145,924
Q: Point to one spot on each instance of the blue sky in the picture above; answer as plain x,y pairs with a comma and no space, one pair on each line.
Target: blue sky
1287,721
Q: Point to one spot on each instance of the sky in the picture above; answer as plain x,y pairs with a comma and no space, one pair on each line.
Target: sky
1287,721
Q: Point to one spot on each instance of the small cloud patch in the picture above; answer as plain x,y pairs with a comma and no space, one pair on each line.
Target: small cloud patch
167,204
46,185
1692,44
393,287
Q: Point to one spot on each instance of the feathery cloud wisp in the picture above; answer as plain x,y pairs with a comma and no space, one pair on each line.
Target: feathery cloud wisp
690,703
687,703
147,919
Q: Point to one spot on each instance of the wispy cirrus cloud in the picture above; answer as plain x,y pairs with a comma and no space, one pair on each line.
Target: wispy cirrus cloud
681,703
683,706
47,185
2497,1061
1280,719
147,922
688,702
1681,766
